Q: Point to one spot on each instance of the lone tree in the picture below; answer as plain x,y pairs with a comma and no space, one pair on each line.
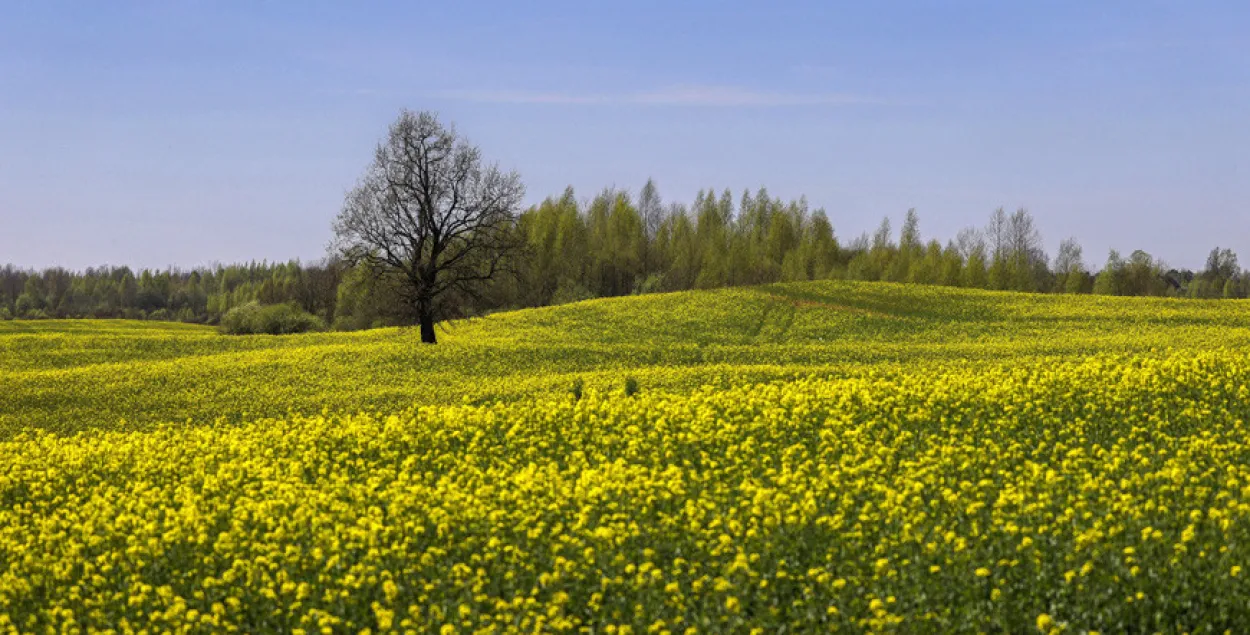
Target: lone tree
430,218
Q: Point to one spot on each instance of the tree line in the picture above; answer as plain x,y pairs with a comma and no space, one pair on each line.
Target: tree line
431,232
201,295
618,244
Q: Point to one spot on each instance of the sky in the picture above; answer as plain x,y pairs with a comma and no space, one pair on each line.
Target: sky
182,133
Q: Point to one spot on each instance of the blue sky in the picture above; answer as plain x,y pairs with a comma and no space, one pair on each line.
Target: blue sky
182,132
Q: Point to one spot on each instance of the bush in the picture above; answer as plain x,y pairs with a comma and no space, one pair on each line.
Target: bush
5,314
569,291
653,283
274,319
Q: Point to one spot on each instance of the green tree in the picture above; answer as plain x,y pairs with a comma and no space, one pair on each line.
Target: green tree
1110,279
683,253
952,266
928,268
1230,289
712,236
822,245
881,253
909,249
616,243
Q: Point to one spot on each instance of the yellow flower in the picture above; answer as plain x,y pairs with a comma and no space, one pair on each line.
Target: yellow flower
982,426
1044,622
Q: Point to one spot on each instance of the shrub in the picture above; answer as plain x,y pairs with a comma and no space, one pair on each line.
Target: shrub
274,319
569,291
241,320
5,314
653,283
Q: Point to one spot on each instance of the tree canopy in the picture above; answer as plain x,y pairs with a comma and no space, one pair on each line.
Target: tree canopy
431,219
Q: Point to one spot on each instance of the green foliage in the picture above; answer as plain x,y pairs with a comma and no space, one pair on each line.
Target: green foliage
653,283
1111,280
1075,282
366,300
570,291
975,275
274,319
764,239
200,295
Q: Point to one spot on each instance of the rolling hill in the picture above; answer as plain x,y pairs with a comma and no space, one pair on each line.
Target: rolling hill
802,457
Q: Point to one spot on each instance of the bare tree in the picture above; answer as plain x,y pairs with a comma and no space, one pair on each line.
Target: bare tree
1069,258
997,234
1024,247
969,240
1024,241
1070,267
428,215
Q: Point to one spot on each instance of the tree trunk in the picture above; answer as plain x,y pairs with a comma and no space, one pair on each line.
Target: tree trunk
426,318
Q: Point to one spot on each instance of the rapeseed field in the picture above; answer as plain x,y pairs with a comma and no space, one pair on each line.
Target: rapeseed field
802,458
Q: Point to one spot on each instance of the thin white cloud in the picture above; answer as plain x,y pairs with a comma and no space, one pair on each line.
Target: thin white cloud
691,95
522,97
736,96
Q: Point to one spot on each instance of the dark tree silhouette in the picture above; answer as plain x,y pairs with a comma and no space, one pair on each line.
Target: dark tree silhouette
430,217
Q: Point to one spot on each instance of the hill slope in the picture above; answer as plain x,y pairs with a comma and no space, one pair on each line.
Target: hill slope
920,460
79,375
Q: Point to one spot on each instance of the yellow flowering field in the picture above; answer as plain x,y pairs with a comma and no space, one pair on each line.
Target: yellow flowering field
810,457
70,376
